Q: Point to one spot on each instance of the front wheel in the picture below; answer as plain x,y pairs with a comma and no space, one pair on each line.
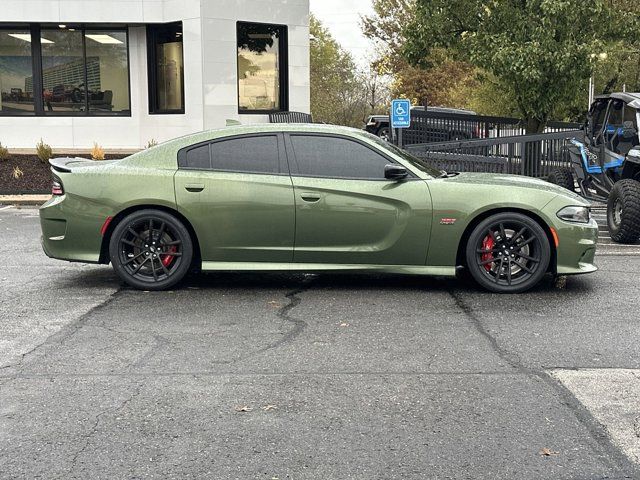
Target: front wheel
151,250
562,177
623,211
508,253
385,134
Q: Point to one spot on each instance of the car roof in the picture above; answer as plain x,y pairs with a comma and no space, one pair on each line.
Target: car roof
232,130
632,98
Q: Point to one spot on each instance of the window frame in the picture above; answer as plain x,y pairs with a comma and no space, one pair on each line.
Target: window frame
597,137
295,169
283,168
152,74
283,69
36,67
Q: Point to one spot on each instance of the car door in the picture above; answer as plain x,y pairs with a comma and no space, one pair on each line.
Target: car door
238,195
347,212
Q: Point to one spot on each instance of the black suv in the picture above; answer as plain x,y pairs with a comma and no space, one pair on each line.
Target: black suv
379,125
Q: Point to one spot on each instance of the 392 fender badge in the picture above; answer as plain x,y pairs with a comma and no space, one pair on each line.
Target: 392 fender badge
448,221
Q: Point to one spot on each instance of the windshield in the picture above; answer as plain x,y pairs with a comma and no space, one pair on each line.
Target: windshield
415,161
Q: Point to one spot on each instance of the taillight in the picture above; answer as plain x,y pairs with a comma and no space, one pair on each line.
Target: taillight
56,188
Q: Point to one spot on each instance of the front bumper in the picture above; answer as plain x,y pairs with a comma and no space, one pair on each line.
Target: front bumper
577,248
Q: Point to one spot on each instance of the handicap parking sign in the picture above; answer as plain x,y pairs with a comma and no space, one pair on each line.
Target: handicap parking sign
400,113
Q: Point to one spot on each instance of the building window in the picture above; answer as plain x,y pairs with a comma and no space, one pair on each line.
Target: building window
73,71
16,72
262,68
166,68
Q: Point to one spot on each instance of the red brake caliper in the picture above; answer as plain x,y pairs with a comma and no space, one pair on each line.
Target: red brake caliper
168,258
487,244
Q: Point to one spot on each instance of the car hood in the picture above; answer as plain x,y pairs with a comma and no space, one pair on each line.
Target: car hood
504,180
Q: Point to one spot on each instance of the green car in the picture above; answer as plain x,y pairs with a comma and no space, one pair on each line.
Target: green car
309,198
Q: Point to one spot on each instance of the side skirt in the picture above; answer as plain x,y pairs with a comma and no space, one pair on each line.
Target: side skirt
328,267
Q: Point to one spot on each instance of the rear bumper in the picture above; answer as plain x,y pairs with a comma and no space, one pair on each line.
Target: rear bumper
68,233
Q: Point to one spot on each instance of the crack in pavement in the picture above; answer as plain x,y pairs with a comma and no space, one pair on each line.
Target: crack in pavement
62,335
94,429
610,454
284,313
158,342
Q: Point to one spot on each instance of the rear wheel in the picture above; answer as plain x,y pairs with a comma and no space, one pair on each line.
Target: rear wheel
562,177
623,211
508,253
151,250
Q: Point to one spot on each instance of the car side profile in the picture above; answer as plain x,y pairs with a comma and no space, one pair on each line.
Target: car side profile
309,198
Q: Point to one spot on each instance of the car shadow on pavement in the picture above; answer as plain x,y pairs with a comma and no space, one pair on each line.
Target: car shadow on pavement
104,277
365,282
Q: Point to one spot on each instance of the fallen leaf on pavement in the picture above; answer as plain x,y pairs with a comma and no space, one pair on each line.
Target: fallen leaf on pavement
273,304
545,452
266,408
243,408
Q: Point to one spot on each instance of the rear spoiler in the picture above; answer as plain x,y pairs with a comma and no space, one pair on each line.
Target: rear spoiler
64,164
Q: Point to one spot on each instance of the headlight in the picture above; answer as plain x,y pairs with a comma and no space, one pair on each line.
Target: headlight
575,214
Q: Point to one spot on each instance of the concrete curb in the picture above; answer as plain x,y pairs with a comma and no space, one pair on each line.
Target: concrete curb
23,200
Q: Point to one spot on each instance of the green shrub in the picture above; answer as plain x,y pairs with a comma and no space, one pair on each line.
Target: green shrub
43,151
4,152
152,143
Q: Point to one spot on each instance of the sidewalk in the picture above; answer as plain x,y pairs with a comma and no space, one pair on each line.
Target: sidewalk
23,200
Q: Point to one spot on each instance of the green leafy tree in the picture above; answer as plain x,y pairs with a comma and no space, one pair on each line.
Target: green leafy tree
441,83
538,51
340,93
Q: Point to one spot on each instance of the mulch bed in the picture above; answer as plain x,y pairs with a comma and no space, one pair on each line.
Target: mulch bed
36,175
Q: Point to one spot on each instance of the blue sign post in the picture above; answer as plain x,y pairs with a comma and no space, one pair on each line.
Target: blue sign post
400,116
400,113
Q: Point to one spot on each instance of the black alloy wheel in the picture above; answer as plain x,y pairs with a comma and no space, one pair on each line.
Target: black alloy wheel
151,250
508,253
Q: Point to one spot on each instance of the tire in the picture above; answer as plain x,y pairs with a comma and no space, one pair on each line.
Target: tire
562,177
384,134
136,250
512,237
623,211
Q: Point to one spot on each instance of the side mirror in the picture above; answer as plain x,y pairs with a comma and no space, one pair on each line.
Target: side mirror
395,172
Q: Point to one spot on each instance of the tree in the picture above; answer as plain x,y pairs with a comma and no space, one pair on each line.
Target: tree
340,93
439,84
539,51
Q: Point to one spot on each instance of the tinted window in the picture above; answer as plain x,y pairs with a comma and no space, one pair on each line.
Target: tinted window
248,154
198,157
336,157
16,77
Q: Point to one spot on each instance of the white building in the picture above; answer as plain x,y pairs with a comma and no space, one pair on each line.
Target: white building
123,72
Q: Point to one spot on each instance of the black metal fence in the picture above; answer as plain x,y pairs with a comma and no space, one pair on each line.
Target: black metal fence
290,117
429,126
531,155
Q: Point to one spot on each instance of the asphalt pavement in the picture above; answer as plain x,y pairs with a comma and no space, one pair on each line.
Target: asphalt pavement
276,376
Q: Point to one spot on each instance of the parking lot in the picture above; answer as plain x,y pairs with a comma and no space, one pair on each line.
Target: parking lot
313,376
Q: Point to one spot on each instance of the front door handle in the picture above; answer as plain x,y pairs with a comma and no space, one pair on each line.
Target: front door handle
310,197
194,187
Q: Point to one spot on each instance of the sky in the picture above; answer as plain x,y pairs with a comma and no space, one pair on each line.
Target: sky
342,18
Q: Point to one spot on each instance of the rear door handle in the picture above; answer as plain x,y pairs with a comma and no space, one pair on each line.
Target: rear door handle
310,197
194,187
